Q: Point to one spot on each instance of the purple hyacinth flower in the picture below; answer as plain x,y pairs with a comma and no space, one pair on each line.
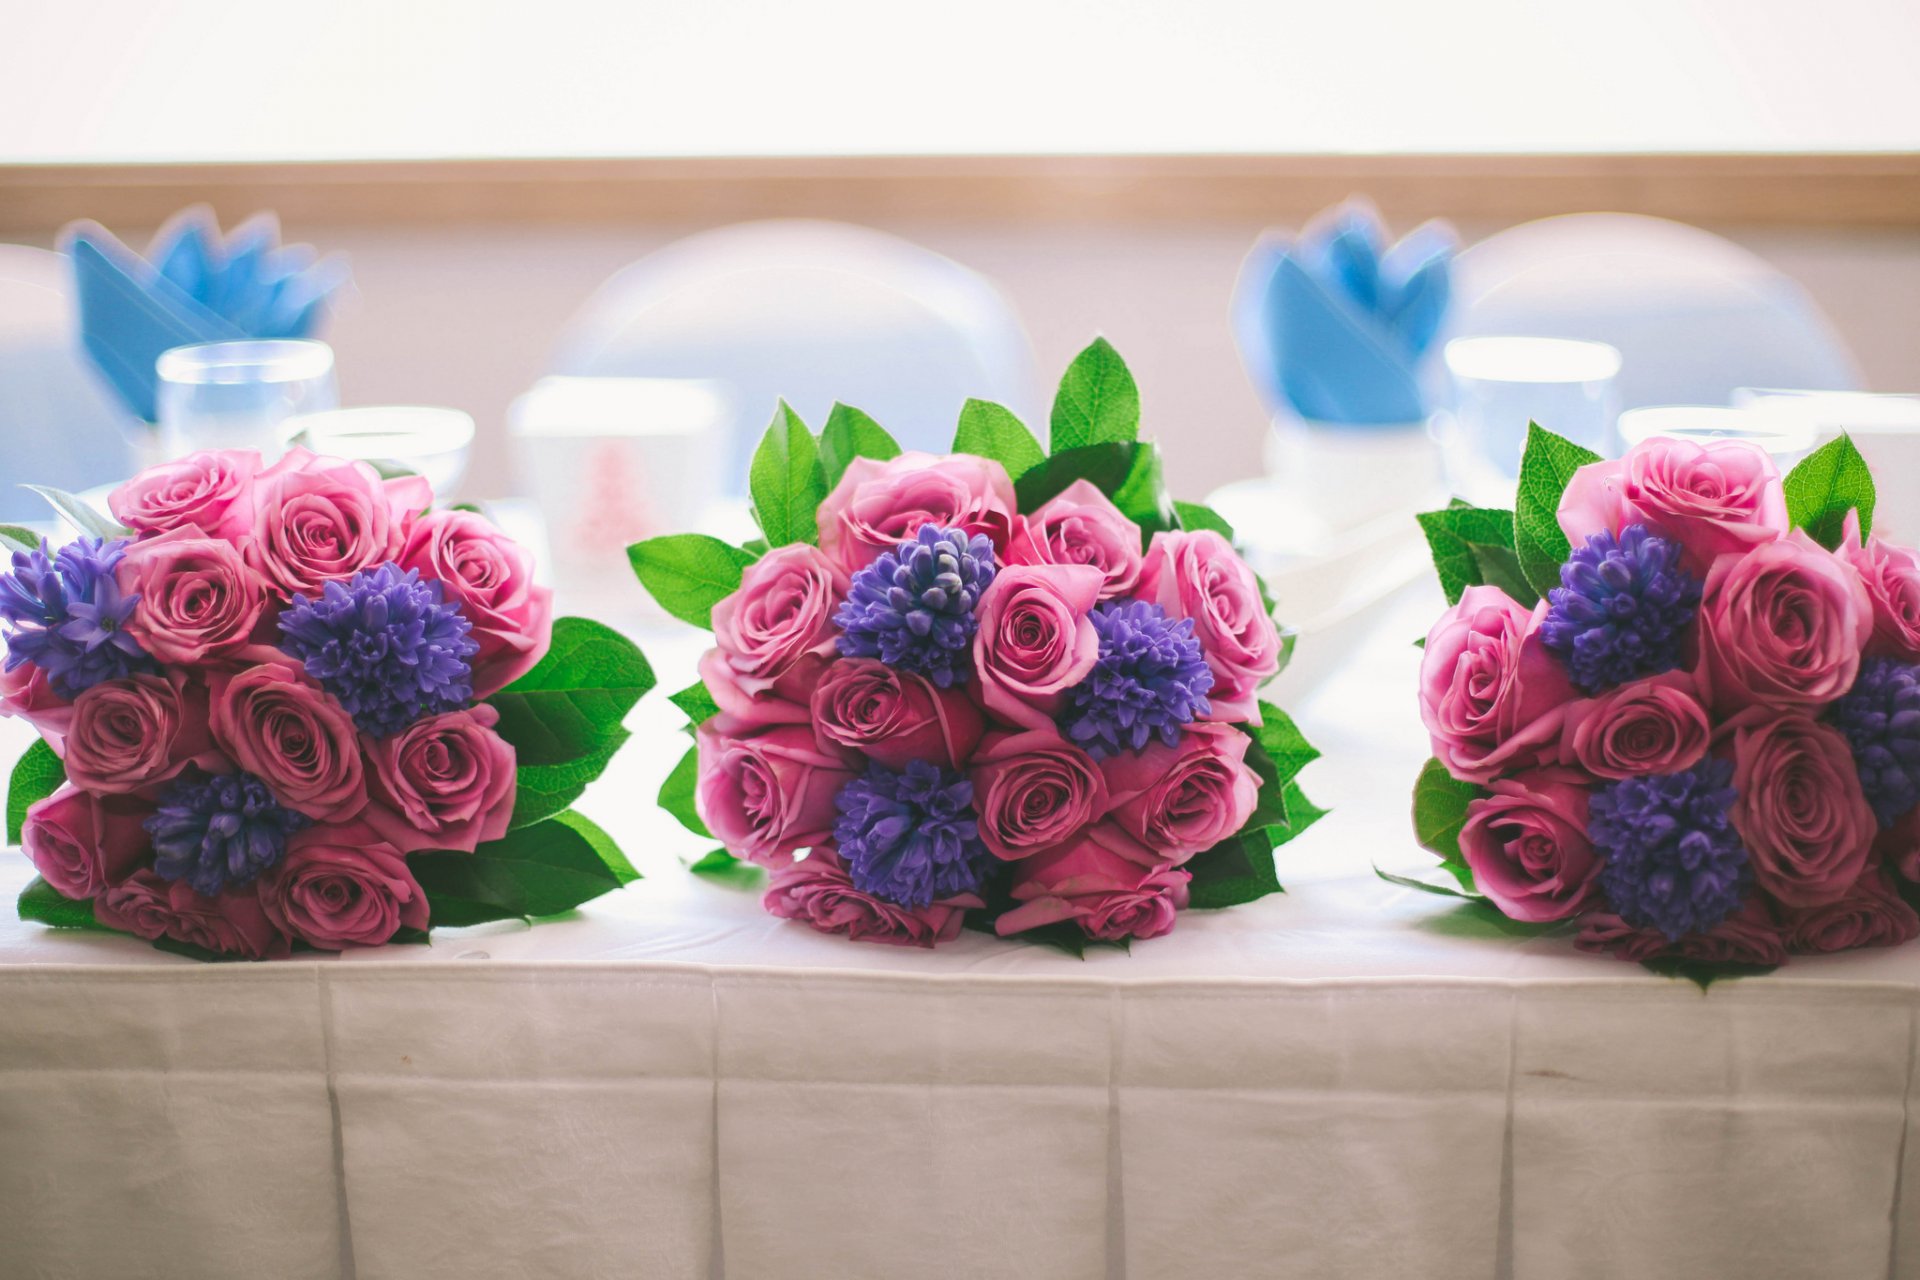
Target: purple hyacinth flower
1880,719
1673,859
1620,610
912,836
1151,678
65,614
912,608
218,831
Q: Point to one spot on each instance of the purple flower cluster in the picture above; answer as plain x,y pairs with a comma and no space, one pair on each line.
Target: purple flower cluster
220,830
1151,678
386,644
912,608
1880,719
66,614
1673,858
1620,609
910,837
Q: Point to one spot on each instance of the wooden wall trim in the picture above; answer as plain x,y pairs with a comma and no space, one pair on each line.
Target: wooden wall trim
1870,190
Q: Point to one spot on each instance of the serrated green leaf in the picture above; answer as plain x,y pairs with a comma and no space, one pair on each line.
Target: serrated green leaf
1098,402
696,702
36,775
851,434
543,790
1439,812
786,481
41,903
1546,465
572,702
15,538
1829,482
723,868
1280,738
1193,516
78,513
541,870
1473,546
992,431
1237,870
1702,974
1301,814
689,573
1143,496
1130,474
676,793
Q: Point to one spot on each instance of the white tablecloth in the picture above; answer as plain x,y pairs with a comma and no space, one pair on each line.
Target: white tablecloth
1346,1080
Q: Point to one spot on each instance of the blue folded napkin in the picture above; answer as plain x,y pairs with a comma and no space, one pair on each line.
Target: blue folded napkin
1332,324
193,286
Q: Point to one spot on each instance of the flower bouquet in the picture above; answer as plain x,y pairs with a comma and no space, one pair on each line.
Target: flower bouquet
998,688
1677,700
292,707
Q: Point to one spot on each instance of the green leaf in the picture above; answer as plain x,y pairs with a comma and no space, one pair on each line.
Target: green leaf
676,793
723,868
786,481
1301,814
1439,811
40,902
1701,973
540,870
689,573
1130,474
1443,880
571,704
1097,402
1829,482
851,434
1143,496
991,431
1473,546
696,702
78,513
1546,465
36,775
543,790
1283,742
1238,869
14,538
1194,517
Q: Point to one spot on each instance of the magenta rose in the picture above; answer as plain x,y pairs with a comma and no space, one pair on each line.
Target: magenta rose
211,491
1871,915
1714,498
1801,812
781,613
319,520
1200,576
490,576
24,692
878,505
1081,526
1103,881
80,844
277,724
1648,726
816,890
342,886
1492,697
742,714
198,598
150,907
1899,845
1034,791
771,795
134,732
1527,846
1749,936
1782,626
1035,640
892,716
445,782
1891,575
1180,800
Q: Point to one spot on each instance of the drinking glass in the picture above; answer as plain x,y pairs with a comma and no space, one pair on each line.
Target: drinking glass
1500,384
430,442
1884,427
1786,440
240,395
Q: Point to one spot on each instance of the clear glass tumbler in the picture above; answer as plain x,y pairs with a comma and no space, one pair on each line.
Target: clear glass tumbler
1500,384
240,395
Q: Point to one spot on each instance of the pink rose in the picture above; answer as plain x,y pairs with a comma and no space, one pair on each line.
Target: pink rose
1034,791
781,613
319,520
281,727
198,598
1891,575
1035,640
150,907
1648,726
1782,626
1081,526
134,732
1801,812
342,886
1104,882
1899,845
80,844
891,716
1200,576
1527,845
1492,697
1178,801
24,692
1749,936
817,891
742,713
768,796
1871,915
1713,499
445,782
490,576
878,505
211,491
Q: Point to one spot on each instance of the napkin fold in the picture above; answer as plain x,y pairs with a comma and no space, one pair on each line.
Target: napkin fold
193,285
1332,324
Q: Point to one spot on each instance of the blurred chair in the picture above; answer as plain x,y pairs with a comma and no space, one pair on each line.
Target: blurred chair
58,425
811,312
1693,316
